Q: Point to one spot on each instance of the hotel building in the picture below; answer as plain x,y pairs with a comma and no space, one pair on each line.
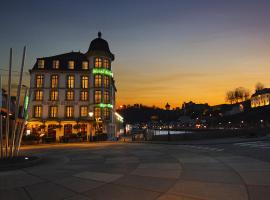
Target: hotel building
74,93
260,98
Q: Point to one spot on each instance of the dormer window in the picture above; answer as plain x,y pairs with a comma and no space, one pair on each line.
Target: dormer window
71,64
106,63
98,62
41,64
85,65
56,64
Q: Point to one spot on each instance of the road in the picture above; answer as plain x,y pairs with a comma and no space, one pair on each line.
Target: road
255,149
117,171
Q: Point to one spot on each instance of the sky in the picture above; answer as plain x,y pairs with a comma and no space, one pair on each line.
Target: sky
165,50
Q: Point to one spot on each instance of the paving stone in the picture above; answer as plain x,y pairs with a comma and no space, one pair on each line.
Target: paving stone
13,194
172,174
98,176
256,177
259,192
162,166
211,176
147,183
117,192
78,197
14,179
78,184
175,197
209,191
48,191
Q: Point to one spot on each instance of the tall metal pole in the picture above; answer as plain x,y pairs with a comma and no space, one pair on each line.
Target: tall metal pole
8,101
17,108
25,117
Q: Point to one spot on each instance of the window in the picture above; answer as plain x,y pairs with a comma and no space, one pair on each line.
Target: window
84,111
70,81
71,64
37,111
97,113
97,96
54,95
70,95
41,64
84,82
69,111
54,81
39,95
53,111
106,81
106,97
106,63
84,95
55,64
39,81
85,65
98,62
98,79
106,112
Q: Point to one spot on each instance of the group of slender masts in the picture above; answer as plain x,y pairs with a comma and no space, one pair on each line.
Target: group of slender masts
12,124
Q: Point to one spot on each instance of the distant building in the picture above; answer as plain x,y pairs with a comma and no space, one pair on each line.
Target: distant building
192,107
68,88
260,98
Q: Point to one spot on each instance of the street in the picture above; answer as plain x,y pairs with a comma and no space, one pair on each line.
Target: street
142,171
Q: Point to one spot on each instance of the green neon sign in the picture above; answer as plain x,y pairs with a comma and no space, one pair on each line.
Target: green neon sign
102,71
103,105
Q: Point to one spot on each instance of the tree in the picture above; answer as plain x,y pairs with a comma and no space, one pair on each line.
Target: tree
237,95
230,97
259,86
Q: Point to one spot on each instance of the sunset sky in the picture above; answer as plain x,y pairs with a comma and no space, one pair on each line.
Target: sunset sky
166,51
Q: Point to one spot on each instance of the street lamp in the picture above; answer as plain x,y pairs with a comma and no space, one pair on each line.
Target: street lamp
91,114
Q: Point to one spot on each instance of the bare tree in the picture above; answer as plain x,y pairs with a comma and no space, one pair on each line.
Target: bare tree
230,97
237,95
259,86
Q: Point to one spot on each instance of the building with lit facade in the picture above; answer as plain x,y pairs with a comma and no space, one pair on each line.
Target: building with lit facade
74,93
260,98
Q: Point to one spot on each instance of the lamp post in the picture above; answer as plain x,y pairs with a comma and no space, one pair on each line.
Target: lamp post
91,114
167,107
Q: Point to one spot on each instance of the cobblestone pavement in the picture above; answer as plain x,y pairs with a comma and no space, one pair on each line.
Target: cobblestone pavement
136,171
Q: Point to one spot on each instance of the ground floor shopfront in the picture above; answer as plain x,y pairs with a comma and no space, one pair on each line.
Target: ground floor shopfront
57,130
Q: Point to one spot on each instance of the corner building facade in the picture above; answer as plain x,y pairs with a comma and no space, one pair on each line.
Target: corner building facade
74,93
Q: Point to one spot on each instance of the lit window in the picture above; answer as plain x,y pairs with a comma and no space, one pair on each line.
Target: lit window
98,79
106,81
84,82
70,81
84,111
71,64
85,65
41,64
106,63
39,81
69,111
98,62
54,81
55,64
106,113
53,111
97,96
54,95
84,95
37,111
97,113
39,95
70,95
106,97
